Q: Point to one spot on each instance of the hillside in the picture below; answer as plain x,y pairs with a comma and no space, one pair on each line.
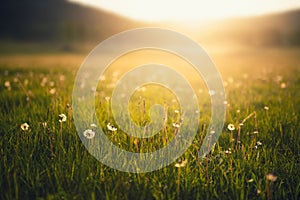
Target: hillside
279,29
65,25
58,20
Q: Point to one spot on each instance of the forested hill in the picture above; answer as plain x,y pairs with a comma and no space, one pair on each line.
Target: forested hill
58,20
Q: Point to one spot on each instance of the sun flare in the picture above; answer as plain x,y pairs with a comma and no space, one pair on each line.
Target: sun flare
169,10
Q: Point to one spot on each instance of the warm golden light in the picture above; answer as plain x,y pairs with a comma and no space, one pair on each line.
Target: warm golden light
199,10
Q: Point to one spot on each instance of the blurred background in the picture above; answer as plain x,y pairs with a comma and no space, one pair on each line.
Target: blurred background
61,26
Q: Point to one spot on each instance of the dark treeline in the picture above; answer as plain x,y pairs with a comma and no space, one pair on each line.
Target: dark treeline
64,22
57,20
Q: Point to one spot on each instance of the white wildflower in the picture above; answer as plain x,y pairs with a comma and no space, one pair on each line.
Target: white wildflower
44,124
250,180
176,125
181,164
89,134
62,118
93,125
111,127
25,127
271,177
52,91
7,85
231,127
266,108
283,85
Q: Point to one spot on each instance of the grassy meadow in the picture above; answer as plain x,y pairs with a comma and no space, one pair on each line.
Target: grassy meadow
256,157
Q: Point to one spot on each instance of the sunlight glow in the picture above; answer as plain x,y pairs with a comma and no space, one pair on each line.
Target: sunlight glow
198,10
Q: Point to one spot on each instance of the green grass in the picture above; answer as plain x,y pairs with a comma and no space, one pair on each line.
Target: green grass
51,162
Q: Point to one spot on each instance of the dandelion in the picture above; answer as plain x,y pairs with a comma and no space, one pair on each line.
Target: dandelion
7,85
231,127
111,127
52,91
283,85
25,127
44,81
44,124
228,151
181,164
250,180
271,177
62,118
258,191
176,125
93,125
266,108
89,134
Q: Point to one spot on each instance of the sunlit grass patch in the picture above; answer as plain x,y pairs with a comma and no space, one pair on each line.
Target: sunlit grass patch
256,157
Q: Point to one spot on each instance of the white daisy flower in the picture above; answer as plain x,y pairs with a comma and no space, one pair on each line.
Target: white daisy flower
271,177
89,134
258,143
176,125
93,125
283,85
111,127
250,180
62,118
228,151
266,108
231,127
52,91
7,84
25,127
44,124
181,164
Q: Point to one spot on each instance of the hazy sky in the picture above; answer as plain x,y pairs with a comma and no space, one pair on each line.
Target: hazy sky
156,10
